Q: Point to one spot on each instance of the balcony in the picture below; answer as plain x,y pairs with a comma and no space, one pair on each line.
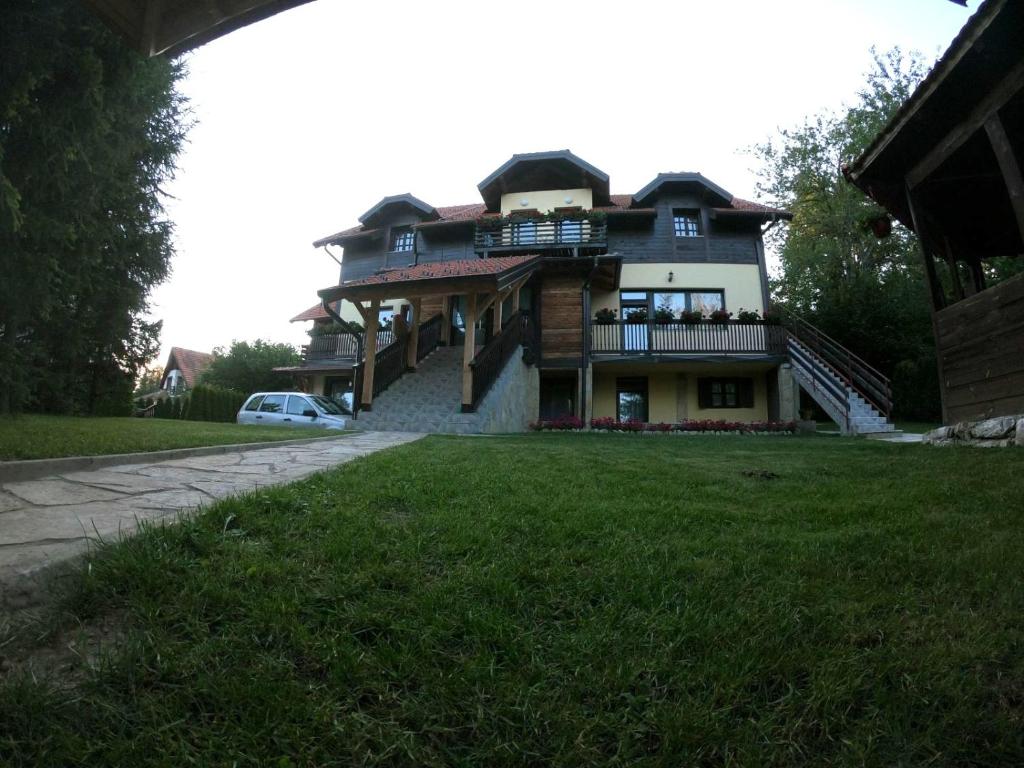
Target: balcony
339,346
651,338
569,237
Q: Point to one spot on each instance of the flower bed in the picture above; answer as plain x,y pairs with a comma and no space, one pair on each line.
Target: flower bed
704,426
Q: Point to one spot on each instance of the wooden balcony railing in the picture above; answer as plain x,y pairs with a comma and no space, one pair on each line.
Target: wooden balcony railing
675,337
334,346
542,235
491,360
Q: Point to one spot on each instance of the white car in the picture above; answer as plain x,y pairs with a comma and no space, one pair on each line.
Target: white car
292,409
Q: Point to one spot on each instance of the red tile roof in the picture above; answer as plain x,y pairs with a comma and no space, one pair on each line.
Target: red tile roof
439,270
316,312
189,362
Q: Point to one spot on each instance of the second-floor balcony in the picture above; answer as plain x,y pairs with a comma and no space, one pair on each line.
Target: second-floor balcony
653,338
572,236
339,346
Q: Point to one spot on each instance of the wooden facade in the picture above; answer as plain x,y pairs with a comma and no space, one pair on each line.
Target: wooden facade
981,347
949,167
561,319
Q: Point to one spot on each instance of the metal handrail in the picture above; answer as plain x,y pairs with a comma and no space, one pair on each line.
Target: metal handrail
732,337
530,233
860,376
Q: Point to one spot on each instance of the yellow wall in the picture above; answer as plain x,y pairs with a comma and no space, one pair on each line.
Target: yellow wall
546,200
664,388
350,314
741,282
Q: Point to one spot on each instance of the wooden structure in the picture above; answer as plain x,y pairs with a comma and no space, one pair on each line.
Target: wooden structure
163,27
949,167
486,285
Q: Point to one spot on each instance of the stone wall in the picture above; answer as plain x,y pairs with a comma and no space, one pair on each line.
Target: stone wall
514,400
1000,432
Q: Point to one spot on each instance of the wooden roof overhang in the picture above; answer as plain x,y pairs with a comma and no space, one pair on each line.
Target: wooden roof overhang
349,236
440,279
531,171
944,148
157,27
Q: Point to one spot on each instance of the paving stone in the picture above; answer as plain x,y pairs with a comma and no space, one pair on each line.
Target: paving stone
51,492
50,520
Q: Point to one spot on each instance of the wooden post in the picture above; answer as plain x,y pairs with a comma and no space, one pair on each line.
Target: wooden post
372,318
468,352
414,336
515,298
498,302
446,320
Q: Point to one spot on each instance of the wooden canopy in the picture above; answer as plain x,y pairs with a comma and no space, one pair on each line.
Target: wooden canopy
163,27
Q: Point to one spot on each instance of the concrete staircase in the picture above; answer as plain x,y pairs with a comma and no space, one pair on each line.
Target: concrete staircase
847,407
429,400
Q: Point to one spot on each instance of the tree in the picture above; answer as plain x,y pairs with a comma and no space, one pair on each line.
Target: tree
868,293
149,381
89,133
249,367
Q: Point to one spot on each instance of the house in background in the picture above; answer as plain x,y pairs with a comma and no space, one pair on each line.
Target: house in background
949,167
553,297
183,368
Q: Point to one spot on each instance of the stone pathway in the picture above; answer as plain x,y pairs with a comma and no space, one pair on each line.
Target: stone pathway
47,521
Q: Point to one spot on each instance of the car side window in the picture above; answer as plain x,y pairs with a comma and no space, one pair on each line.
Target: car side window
254,403
272,404
296,405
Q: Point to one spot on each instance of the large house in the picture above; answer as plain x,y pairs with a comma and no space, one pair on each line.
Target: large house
553,297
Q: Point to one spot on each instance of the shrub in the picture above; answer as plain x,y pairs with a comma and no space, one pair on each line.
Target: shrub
748,316
561,423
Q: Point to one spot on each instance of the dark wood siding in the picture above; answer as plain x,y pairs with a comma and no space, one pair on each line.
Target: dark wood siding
561,321
655,240
981,347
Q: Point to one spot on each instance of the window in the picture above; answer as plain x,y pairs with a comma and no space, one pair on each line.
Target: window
402,238
631,399
384,316
272,404
299,405
254,403
705,302
725,393
686,223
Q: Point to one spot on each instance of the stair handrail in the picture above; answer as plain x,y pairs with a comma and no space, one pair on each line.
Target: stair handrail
859,375
819,381
490,361
428,336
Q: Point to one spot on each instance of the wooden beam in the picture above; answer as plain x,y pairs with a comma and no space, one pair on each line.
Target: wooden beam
499,301
362,310
483,306
1009,166
935,287
446,320
515,298
372,318
956,138
414,336
468,352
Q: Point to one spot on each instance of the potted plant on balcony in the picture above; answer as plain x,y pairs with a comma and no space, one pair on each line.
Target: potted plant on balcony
691,316
604,316
664,314
773,316
637,315
720,316
748,316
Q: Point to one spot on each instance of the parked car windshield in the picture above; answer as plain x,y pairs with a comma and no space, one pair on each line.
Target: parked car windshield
327,406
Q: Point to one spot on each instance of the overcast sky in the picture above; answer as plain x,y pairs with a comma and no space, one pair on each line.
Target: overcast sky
308,119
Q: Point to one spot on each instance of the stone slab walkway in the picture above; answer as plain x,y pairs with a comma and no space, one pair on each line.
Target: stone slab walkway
47,521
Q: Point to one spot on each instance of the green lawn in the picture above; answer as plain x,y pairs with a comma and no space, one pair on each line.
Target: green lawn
565,600
45,437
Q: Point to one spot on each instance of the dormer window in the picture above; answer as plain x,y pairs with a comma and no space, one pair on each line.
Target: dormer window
402,239
686,222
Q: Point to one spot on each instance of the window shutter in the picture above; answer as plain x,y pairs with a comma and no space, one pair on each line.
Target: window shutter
746,393
704,393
